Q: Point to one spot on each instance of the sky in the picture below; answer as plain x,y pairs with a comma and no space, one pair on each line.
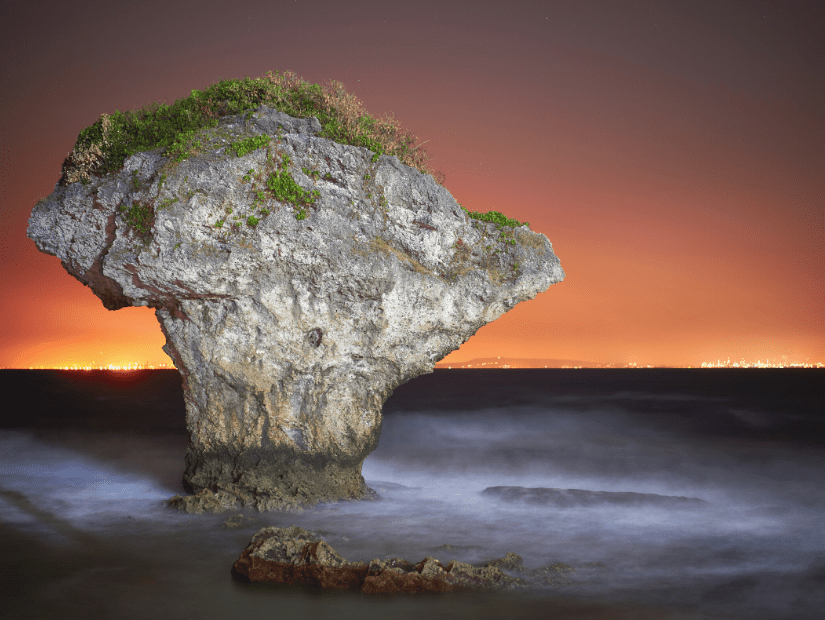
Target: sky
672,152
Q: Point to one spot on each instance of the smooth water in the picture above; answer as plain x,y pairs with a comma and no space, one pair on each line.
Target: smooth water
85,467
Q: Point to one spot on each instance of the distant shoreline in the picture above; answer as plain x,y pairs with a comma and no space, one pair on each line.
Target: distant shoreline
510,363
473,365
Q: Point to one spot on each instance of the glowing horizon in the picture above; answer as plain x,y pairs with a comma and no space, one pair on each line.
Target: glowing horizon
168,365
673,158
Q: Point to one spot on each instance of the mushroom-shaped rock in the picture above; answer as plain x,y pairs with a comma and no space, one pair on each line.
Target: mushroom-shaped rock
298,281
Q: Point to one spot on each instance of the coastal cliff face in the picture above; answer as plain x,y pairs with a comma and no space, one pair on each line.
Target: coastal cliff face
298,281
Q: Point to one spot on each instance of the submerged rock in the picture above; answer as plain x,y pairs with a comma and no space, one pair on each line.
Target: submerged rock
294,556
236,521
576,498
557,574
297,285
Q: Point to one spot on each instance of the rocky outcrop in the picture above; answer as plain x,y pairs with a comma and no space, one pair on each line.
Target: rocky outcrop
298,281
294,556
291,556
577,498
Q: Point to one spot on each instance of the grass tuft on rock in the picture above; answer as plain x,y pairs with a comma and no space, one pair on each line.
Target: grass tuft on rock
140,218
104,146
496,218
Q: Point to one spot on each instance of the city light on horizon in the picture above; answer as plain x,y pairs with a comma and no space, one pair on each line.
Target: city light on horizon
499,362
505,363
89,357
727,363
130,367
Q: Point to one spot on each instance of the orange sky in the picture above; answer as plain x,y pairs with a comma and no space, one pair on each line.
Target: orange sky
673,154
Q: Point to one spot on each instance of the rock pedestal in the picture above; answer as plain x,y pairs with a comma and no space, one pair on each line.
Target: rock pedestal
297,285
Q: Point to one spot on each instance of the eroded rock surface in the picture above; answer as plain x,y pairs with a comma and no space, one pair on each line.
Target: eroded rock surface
294,556
297,285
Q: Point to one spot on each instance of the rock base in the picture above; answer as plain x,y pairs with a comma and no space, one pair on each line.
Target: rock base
202,502
267,480
222,500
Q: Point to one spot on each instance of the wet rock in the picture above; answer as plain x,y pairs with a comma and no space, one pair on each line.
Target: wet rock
236,521
233,522
573,498
202,502
294,556
510,561
468,577
398,576
458,548
297,285
557,574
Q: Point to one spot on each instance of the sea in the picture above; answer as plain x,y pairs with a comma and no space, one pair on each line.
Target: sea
662,493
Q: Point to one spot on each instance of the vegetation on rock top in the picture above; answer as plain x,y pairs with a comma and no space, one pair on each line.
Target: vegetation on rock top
104,146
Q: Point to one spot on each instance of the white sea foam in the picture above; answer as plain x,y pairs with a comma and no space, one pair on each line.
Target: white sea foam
63,482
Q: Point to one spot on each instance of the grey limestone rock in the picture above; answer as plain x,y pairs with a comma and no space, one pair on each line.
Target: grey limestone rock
297,285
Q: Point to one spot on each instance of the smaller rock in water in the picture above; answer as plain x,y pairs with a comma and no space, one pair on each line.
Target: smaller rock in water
557,574
511,561
236,521
578,498
294,556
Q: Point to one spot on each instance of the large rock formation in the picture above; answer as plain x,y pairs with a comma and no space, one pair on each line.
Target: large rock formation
298,281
